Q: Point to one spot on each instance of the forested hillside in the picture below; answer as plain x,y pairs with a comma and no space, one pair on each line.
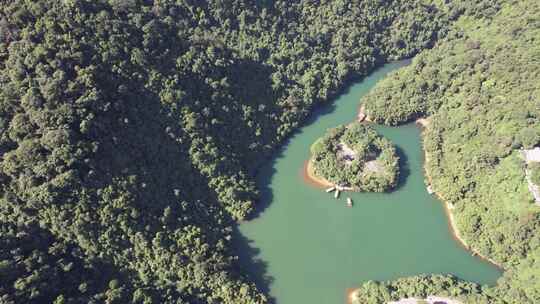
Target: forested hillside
130,132
480,88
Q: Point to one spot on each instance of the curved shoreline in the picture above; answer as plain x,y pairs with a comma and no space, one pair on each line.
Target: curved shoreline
319,182
423,123
310,178
350,295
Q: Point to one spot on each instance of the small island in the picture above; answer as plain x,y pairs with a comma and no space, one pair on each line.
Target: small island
355,157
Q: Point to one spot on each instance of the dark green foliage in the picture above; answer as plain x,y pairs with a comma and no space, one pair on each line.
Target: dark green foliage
130,131
34,268
356,156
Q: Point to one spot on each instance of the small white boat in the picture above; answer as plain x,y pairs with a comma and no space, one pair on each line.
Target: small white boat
336,195
349,202
330,189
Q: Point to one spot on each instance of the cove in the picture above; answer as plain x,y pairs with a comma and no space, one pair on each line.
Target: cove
314,248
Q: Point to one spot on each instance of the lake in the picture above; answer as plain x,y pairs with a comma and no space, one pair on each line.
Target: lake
310,247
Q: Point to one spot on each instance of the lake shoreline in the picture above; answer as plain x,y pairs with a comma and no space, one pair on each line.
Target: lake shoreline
292,222
311,178
423,124
350,295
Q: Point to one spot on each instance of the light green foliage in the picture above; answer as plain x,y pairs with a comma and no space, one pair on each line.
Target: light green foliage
417,287
331,161
534,169
480,88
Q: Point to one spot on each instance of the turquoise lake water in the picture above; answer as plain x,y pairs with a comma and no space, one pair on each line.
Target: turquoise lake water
313,247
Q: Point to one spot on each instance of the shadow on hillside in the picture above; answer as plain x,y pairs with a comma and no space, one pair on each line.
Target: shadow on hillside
250,264
138,144
250,122
143,156
404,169
266,171
264,179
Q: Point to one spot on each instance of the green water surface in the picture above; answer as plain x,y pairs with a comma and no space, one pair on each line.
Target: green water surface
313,247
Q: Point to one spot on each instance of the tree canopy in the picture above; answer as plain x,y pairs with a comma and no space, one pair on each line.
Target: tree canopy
479,87
356,156
131,131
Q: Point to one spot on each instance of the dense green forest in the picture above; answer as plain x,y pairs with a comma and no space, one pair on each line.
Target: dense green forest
356,156
480,88
131,131
415,287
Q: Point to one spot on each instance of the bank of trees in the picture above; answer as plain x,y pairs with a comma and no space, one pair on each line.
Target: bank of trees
479,87
356,156
130,132
416,287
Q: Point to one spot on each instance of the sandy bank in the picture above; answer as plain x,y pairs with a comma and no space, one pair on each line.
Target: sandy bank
423,122
452,224
319,182
309,176
351,295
